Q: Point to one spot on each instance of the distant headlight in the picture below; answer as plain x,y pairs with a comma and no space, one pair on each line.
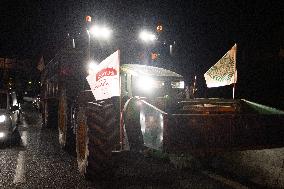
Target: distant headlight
2,118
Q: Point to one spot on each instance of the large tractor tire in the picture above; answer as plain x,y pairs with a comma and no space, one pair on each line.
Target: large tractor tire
97,135
65,132
49,113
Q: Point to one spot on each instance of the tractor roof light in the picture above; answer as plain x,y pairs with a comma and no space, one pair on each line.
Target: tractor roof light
92,66
100,32
147,36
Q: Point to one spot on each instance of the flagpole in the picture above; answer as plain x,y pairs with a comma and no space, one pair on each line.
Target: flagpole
234,86
234,90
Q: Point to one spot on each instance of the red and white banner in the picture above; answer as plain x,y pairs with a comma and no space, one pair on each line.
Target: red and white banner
104,81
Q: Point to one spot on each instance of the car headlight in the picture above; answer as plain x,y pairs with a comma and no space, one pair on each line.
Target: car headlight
2,118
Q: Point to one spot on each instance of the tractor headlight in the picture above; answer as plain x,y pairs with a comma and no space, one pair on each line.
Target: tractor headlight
147,84
177,84
2,134
2,118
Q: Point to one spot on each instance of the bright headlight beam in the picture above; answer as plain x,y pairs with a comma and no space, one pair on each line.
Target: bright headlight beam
147,36
100,32
2,118
146,83
2,135
92,66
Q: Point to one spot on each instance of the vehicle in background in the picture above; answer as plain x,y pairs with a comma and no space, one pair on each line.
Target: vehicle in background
9,115
33,98
36,103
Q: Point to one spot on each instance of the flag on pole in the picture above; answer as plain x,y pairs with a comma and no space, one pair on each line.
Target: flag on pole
40,65
224,71
104,81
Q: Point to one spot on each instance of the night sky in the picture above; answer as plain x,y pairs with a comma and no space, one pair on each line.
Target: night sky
203,31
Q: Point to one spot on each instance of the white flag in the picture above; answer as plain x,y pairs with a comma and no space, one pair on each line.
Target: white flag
104,81
224,71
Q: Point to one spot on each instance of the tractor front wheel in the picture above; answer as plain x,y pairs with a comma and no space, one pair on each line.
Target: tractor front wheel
97,135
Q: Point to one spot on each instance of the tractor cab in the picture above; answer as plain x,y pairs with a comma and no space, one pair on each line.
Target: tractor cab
158,85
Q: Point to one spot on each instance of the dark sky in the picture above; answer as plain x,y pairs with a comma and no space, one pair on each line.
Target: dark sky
203,31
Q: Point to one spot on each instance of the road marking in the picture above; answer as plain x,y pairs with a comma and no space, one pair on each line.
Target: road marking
226,181
19,176
24,138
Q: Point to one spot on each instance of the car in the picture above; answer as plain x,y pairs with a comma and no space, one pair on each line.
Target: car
9,115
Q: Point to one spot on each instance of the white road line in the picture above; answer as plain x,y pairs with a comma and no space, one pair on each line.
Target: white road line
19,176
24,138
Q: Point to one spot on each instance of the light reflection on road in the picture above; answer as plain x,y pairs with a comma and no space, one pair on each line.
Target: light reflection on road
38,162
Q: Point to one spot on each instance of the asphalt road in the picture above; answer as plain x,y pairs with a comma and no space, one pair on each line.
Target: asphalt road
39,162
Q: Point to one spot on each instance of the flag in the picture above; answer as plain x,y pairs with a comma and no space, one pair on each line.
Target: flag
104,80
40,65
224,71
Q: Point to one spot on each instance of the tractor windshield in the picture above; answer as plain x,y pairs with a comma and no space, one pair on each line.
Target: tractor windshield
157,87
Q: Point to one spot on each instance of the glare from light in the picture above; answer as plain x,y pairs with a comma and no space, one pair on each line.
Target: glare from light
30,82
2,118
2,135
100,32
182,84
142,121
92,66
146,83
147,36
178,84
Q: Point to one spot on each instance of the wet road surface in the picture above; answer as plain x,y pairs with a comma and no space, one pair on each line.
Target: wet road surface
39,162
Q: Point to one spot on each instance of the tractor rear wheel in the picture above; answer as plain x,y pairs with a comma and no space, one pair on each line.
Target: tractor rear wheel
97,135
66,135
49,113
